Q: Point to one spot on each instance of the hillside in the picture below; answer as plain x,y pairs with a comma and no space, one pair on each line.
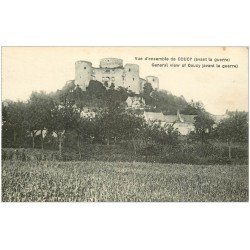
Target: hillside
99,95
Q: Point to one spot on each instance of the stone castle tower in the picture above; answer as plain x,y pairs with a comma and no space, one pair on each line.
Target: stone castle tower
112,71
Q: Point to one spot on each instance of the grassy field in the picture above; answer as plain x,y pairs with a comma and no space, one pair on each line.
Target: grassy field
121,181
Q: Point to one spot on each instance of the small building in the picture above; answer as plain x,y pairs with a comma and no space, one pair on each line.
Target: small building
184,123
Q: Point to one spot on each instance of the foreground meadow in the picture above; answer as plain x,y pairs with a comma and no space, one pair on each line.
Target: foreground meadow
121,181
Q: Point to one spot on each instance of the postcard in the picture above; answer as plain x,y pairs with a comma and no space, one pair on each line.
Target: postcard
125,124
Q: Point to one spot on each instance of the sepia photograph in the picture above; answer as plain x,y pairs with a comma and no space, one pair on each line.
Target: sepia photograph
124,124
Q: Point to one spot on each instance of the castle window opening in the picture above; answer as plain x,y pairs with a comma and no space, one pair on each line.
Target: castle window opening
133,78
84,67
129,70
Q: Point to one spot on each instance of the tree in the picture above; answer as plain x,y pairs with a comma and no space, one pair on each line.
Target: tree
117,123
122,93
14,123
109,121
131,127
203,126
203,121
96,89
39,114
85,131
233,129
165,102
64,117
146,93
165,135
193,108
147,89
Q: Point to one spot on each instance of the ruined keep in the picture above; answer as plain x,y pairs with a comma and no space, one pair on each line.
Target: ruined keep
154,81
112,71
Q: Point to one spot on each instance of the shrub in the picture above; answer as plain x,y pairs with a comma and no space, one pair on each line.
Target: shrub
152,149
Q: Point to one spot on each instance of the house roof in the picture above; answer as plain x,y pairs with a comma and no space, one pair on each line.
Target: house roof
154,116
170,118
188,118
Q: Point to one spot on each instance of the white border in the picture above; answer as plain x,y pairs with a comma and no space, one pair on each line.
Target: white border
124,225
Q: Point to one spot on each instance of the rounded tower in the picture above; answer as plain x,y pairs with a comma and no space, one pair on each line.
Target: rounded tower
132,78
154,81
111,63
83,74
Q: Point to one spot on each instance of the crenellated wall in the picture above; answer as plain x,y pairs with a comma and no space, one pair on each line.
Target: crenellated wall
111,63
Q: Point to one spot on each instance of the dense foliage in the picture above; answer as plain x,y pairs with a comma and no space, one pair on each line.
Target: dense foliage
234,128
71,118
61,118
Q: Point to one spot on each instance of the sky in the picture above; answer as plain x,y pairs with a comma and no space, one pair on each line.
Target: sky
27,69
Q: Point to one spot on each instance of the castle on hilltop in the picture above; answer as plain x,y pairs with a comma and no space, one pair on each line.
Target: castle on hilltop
112,71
